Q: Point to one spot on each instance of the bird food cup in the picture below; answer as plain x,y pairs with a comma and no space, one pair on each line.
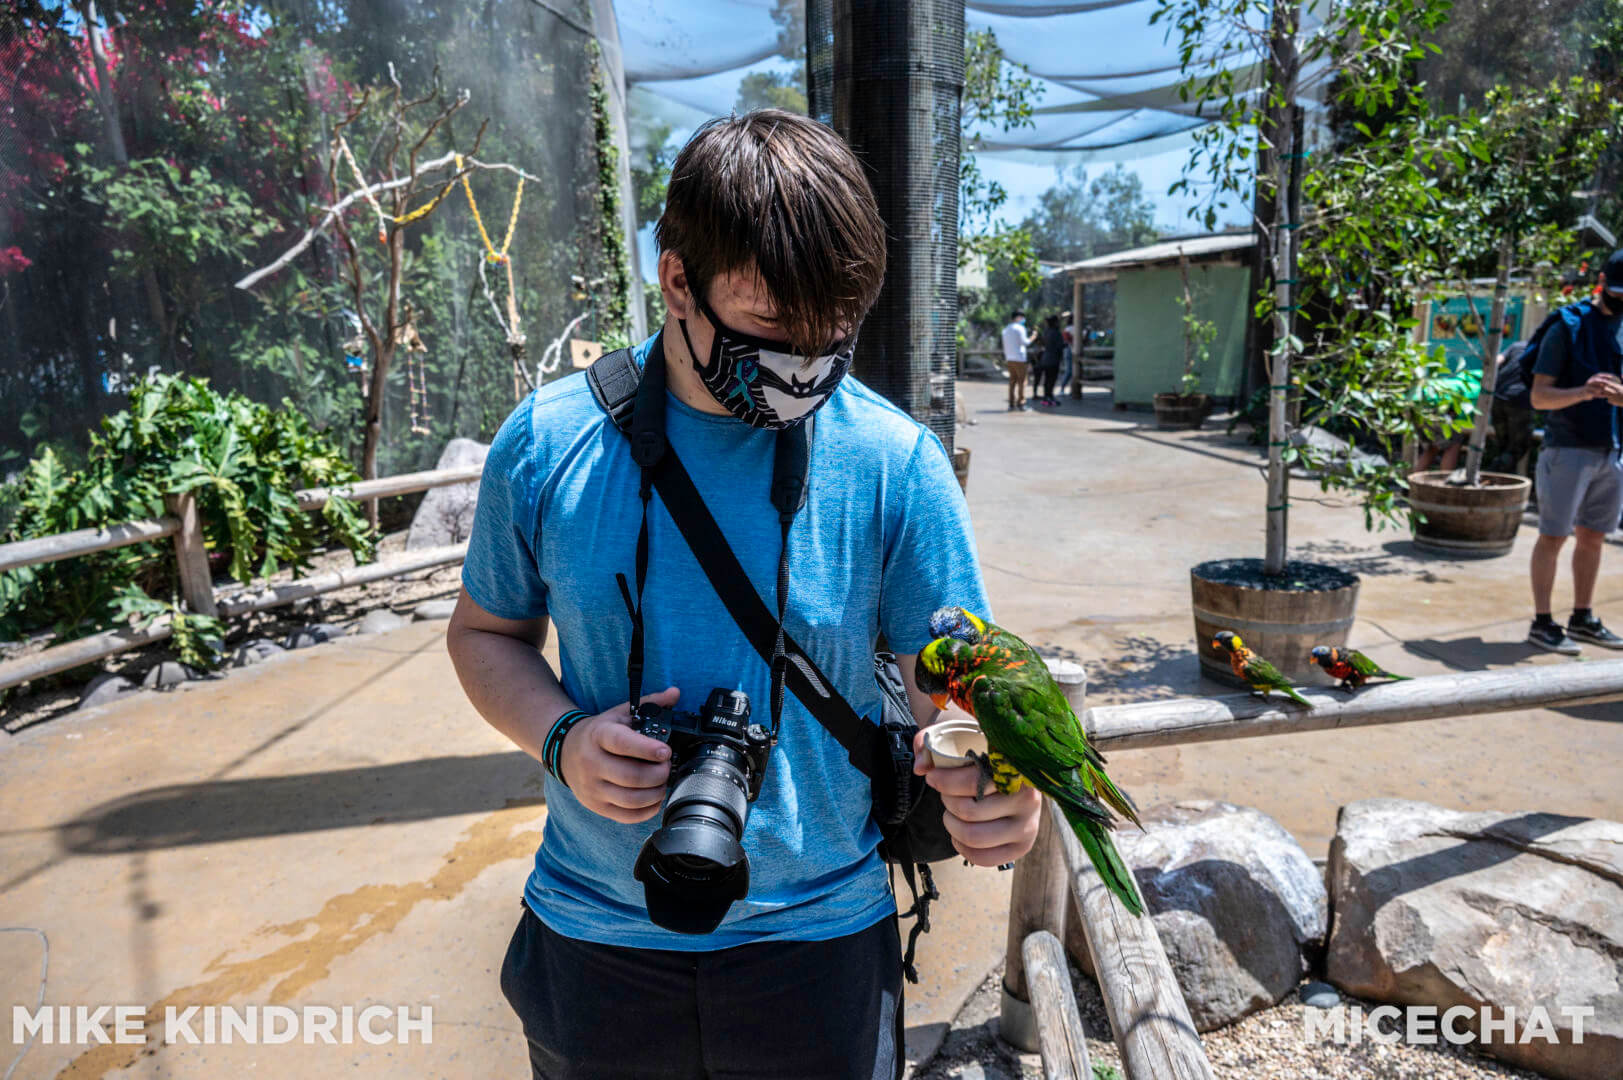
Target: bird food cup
949,742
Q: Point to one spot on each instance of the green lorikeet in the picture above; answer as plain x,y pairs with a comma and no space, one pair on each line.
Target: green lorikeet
1259,674
1032,734
1352,667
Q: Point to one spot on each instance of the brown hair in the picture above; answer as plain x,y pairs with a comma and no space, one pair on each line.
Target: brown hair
786,193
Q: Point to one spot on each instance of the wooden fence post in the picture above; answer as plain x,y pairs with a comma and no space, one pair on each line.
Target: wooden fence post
191,555
1036,902
1148,1015
1059,1024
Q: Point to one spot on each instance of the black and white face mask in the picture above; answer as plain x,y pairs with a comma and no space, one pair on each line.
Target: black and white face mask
761,384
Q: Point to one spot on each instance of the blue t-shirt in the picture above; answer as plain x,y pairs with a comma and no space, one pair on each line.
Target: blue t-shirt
883,540
1582,344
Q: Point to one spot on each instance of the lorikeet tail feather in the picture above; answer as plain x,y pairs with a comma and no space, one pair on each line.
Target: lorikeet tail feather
1109,794
1106,859
1395,678
1294,696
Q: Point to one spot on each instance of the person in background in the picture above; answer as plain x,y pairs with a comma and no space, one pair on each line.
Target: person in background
1512,424
1068,359
1048,367
1015,340
1578,382
1450,396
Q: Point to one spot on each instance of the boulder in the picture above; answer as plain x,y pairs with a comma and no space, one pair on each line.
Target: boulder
1238,904
167,675
314,634
1503,911
433,609
104,688
379,621
445,516
255,651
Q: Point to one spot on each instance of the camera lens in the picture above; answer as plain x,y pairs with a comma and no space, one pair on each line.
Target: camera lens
694,866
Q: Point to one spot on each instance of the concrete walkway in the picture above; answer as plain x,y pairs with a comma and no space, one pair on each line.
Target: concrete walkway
339,828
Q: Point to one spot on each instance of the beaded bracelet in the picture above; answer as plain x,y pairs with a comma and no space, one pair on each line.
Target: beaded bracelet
552,750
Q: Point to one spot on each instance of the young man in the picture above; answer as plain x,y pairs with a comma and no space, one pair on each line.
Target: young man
1576,379
771,253
1015,340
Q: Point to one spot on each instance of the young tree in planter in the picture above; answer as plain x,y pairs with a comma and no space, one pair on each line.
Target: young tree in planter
1187,407
1533,149
1242,63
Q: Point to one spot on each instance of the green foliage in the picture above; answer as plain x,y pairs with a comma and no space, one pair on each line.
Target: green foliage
616,310
773,90
242,462
1101,1071
996,93
169,218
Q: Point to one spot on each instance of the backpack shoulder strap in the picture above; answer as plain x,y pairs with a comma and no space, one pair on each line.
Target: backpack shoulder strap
614,380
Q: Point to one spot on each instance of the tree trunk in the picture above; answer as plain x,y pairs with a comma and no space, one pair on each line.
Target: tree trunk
1282,82
107,104
382,359
1490,363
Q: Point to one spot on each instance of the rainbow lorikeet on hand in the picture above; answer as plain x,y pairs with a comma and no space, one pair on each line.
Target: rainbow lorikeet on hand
1352,667
1259,674
1031,732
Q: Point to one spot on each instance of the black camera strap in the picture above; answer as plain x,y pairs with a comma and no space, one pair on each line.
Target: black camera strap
635,400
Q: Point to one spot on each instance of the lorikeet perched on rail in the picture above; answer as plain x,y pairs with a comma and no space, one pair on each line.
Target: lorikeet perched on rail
1031,732
1352,667
1258,673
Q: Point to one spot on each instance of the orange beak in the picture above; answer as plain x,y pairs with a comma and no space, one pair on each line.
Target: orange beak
940,700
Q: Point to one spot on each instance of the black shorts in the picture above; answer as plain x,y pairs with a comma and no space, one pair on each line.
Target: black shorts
773,1011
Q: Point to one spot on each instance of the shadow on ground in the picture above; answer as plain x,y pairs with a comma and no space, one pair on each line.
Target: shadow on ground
1146,669
223,810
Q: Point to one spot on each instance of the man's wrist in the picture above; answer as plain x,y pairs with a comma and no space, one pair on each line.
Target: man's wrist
552,749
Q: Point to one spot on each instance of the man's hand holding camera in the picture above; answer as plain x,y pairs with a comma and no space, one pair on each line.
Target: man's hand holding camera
991,831
615,771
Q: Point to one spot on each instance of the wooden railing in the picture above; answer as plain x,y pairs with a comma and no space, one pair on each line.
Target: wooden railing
1148,1016
196,581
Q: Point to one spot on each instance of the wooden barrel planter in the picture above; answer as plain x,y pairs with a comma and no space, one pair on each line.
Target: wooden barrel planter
1460,520
1281,619
1181,412
960,467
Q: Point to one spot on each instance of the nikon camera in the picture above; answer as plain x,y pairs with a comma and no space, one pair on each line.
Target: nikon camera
694,866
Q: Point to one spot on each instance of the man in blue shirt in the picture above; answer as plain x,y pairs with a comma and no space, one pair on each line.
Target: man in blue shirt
772,251
1578,380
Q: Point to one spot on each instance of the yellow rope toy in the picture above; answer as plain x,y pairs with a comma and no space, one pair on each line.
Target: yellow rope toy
512,220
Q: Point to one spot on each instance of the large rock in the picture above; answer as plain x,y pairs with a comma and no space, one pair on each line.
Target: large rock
105,688
1237,903
1521,911
445,516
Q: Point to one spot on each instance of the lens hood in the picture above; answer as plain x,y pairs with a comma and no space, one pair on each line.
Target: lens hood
691,873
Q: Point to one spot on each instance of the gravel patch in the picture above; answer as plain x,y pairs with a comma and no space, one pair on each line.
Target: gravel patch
1269,1045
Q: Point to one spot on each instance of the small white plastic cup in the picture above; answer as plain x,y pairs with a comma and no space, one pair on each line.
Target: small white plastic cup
948,742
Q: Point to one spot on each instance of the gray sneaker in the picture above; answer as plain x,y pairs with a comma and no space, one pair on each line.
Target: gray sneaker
1594,631
1552,638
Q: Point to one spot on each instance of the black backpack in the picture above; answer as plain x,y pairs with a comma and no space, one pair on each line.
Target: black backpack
1514,383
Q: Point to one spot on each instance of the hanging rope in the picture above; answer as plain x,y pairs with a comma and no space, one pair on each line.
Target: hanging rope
512,220
383,219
